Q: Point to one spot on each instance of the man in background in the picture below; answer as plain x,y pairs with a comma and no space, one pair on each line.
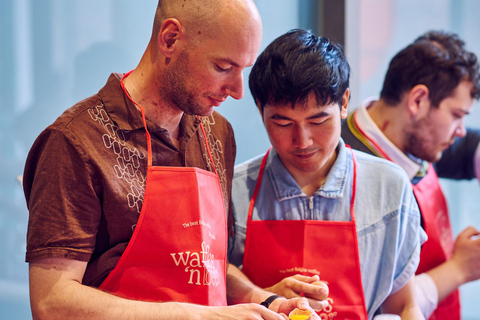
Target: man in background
429,88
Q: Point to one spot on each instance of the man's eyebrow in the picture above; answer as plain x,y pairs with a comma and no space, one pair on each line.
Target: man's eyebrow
320,114
277,116
226,60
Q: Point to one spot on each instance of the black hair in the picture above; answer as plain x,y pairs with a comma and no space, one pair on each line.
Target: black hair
436,59
298,63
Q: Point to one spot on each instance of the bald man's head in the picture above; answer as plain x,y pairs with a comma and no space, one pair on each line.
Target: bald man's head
201,18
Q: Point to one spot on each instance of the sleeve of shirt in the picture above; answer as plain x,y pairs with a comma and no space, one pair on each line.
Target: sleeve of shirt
411,237
426,293
477,163
64,209
462,159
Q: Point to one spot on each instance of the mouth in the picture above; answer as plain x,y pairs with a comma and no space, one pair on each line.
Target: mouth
216,102
304,155
448,144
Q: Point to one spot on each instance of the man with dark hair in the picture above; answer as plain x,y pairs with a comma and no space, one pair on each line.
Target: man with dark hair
429,88
312,209
129,190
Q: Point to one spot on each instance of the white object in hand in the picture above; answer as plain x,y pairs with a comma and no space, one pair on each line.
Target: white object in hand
387,317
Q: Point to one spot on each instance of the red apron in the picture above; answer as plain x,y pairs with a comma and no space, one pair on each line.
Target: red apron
178,248
433,207
275,249
439,246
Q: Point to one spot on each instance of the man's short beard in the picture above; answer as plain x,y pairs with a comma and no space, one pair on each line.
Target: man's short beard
418,142
173,87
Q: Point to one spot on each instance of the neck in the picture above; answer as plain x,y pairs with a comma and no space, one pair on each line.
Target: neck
390,120
143,87
312,181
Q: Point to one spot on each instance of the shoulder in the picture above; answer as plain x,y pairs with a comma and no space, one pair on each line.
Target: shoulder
85,111
380,169
385,185
249,168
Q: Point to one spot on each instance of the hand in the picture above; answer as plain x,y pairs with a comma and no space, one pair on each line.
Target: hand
315,291
242,312
285,306
466,254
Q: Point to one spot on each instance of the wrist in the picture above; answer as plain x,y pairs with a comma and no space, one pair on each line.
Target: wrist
267,302
273,302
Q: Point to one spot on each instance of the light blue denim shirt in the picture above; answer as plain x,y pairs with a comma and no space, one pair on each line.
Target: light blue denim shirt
387,215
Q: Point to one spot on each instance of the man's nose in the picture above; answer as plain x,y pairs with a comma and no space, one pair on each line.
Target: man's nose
303,138
235,88
461,131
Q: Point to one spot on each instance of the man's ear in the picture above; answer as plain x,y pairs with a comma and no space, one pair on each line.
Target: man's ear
344,106
171,37
418,101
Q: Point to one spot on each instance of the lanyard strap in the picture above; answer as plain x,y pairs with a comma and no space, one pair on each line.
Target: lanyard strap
361,135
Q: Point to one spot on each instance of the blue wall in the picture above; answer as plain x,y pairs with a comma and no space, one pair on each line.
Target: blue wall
56,52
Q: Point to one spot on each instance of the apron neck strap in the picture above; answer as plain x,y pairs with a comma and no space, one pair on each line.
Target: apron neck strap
149,141
257,186
354,183
260,177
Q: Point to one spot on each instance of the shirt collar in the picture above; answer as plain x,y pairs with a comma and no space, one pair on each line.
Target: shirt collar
370,129
126,115
286,187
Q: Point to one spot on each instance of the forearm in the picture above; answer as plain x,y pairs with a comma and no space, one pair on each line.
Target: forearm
447,278
82,302
411,312
56,292
426,294
241,290
403,303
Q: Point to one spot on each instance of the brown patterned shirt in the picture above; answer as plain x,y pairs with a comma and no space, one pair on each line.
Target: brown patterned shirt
84,178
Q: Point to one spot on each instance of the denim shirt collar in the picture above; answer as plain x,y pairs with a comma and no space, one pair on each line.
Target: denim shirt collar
286,187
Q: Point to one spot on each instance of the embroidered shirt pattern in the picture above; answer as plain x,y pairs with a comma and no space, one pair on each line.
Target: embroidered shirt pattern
128,162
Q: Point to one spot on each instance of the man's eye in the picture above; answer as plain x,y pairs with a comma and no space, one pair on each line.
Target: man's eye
220,68
317,123
283,123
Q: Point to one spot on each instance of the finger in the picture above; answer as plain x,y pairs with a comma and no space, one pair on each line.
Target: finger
307,279
268,314
300,303
469,232
317,305
318,290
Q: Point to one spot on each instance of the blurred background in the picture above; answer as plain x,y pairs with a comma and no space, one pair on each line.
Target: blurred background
56,52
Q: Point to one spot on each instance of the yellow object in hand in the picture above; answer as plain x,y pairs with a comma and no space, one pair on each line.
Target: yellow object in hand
298,314
299,317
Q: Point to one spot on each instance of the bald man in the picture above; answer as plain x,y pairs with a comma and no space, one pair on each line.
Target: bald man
129,190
